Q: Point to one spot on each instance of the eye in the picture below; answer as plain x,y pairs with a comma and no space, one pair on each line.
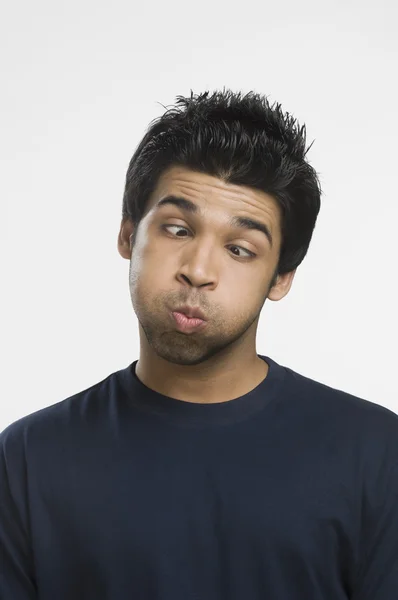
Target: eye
249,254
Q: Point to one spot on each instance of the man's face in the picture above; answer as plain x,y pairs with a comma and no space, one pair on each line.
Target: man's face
200,259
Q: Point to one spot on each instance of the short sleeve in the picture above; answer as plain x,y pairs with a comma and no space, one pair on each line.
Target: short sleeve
16,562
377,575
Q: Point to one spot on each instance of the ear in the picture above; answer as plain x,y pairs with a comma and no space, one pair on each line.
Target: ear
282,286
124,242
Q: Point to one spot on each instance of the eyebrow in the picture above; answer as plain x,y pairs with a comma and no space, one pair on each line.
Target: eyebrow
240,222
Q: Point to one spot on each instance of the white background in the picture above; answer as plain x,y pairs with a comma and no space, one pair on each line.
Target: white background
80,83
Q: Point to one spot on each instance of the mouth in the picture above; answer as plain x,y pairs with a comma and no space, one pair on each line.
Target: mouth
187,324
192,312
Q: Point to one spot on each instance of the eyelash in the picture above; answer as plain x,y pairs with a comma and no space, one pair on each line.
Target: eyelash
251,254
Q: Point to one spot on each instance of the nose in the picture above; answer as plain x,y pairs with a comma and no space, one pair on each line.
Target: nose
199,267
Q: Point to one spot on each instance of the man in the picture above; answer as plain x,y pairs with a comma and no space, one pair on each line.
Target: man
204,470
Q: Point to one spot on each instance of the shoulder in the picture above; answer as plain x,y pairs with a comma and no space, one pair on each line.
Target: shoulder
363,421
49,424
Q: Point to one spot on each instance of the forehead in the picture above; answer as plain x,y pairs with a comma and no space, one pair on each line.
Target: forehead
212,193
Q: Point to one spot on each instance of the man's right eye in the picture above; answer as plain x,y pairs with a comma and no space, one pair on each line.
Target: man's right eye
167,227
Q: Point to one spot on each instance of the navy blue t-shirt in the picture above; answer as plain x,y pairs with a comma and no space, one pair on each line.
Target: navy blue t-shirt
289,492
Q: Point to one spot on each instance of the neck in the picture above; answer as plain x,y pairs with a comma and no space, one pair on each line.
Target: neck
218,379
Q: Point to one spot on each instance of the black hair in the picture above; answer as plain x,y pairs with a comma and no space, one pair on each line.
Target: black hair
241,139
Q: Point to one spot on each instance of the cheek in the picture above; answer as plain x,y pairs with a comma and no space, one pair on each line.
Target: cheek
149,274
144,257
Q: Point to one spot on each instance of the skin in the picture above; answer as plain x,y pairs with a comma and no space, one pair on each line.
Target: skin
198,263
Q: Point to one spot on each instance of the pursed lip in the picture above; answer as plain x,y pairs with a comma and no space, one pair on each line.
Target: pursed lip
191,311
